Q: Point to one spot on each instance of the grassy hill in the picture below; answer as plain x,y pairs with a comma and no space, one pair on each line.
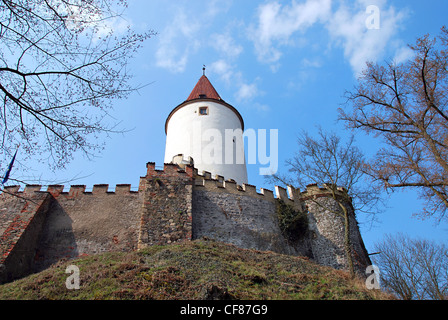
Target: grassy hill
199,269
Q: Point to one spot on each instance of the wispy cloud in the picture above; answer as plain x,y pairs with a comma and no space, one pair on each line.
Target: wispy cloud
176,43
403,54
278,25
183,35
225,67
226,45
245,91
347,27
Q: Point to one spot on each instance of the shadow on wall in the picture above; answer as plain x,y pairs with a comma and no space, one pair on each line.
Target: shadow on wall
57,240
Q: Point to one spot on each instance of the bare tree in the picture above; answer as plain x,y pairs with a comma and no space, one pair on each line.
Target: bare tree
413,269
331,164
62,64
406,105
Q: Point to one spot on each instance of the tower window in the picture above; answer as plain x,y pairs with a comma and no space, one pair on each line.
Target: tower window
203,111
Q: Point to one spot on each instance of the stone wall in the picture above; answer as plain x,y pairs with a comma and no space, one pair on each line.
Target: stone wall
84,223
241,217
327,231
166,214
39,227
20,226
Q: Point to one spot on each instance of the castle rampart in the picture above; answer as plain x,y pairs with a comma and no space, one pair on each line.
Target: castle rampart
20,226
71,224
39,227
327,229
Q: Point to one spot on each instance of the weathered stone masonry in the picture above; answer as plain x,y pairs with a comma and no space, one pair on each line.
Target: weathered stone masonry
20,226
38,228
241,216
65,225
166,214
327,231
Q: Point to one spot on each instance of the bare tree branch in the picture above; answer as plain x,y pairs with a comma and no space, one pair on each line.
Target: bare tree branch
407,105
330,164
413,269
62,66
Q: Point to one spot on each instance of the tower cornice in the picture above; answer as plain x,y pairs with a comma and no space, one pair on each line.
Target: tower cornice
190,101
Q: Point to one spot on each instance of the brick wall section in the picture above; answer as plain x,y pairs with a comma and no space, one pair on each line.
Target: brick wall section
21,219
166,212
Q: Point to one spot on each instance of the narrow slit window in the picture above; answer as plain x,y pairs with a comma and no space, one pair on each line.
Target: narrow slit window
203,111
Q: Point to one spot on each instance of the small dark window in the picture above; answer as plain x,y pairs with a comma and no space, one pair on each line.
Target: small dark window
202,96
203,111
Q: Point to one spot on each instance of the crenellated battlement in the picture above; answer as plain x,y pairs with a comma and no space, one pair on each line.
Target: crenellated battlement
313,191
219,184
168,169
204,180
208,181
73,191
173,203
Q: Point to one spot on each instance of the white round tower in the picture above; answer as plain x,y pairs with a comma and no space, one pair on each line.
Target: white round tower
209,130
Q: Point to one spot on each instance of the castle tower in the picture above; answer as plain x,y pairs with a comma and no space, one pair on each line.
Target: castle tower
327,229
210,131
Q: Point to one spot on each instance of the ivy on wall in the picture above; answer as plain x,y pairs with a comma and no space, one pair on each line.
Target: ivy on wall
293,223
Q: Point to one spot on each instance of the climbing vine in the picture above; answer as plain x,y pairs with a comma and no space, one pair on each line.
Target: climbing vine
293,223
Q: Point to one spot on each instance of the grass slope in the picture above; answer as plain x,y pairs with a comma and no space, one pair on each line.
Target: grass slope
200,269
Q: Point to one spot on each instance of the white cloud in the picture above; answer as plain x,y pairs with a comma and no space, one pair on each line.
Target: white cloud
403,54
348,28
102,23
177,42
280,24
225,44
245,91
277,23
223,69
259,107
226,67
313,63
181,36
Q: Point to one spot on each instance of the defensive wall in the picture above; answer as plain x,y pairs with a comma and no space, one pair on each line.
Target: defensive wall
40,226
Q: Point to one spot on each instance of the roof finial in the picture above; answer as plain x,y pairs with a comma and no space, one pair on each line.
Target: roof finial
203,69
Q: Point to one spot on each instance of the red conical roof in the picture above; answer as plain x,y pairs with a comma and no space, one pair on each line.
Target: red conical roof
203,89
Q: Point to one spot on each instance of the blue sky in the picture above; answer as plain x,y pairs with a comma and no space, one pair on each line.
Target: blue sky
283,64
